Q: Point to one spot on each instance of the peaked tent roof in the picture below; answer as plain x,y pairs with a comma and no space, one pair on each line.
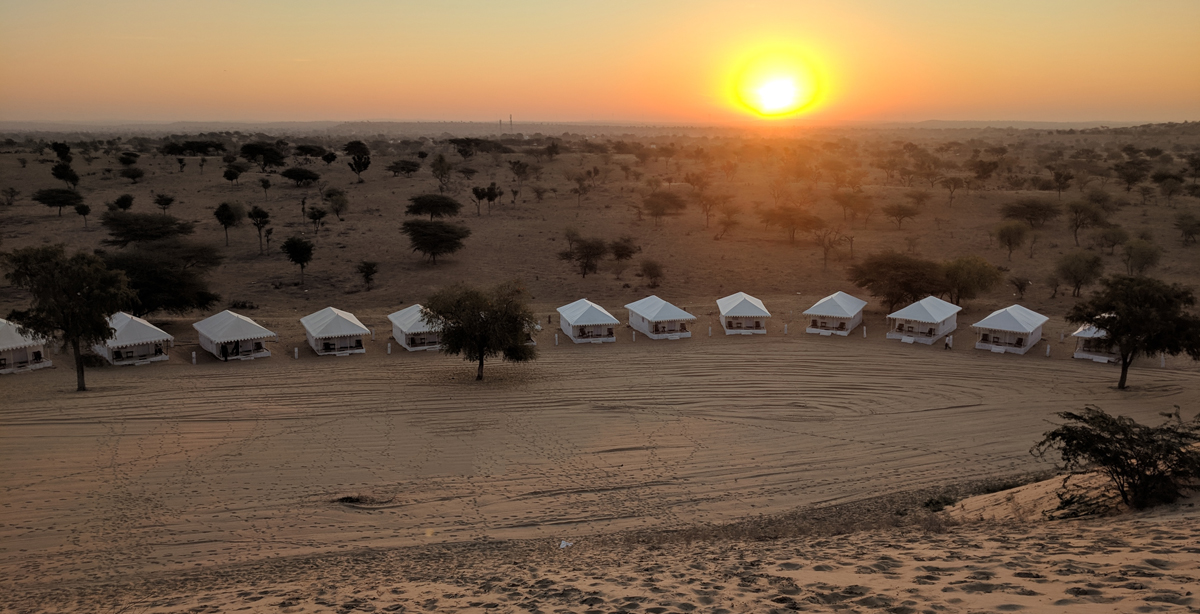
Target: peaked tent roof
410,320
228,326
132,330
930,309
10,339
657,310
330,322
837,305
742,305
586,313
1088,331
1014,318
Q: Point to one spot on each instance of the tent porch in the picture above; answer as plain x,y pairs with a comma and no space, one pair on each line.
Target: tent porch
744,325
1093,349
830,325
338,346
23,359
137,354
594,333
1011,342
920,332
415,342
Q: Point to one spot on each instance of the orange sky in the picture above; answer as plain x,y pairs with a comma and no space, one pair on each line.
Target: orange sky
559,60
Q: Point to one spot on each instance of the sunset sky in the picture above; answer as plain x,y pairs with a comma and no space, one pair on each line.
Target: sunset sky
558,60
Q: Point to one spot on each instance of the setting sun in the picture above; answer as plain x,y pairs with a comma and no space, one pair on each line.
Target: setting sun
776,85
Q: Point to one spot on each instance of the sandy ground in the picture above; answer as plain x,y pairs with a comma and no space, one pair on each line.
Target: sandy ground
170,470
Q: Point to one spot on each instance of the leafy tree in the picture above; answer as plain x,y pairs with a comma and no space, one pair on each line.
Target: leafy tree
969,276
728,218
299,251
1011,236
1033,210
898,213
57,198
1132,172
62,151
434,238
266,185
329,158
482,324
623,249
480,193
264,154
302,176
467,172
585,254
1139,255
1083,214
360,157
10,195
403,167
128,158
1188,224
1141,316
1061,179
660,204
918,197
442,169
339,203
1111,237
229,215
520,171
84,211
898,278
791,219
652,271
367,270
1079,269
709,202
164,202
829,239
309,151
983,169
1148,465
260,218
1020,283
64,173
133,174
433,205
125,227
123,202
231,175
182,162
492,194
167,275
317,215
72,297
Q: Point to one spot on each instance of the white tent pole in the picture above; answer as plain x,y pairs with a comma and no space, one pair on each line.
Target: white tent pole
1047,350
864,331
785,328
635,335
555,338
372,334
1162,360
296,353
709,331
389,348
193,358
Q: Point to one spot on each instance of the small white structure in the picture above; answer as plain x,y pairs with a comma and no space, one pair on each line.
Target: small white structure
334,332
1013,329
837,314
134,342
924,321
587,322
659,319
1090,345
412,331
19,352
231,336
742,314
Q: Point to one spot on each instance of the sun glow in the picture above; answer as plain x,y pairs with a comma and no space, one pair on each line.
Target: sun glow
776,85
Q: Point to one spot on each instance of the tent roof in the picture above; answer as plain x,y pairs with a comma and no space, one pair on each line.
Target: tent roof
742,305
228,326
930,309
1014,318
132,330
1088,331
586,313
330,322
657,310
837,305
10,339
410,320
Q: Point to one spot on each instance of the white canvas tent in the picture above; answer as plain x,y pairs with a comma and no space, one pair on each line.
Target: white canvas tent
837,314
659,319
587,322
231,336
134,341
924,321
335,332
1013,329
411,330
1089,345
742,314
20,352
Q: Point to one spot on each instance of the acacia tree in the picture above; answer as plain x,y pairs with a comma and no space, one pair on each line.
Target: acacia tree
897,278
360,157
229,215
260,218
1084,214
164,202
84,211
482,324
1141,316
585,255
434,238
1011,236
433,205
442,170
1079,269
899,212
367,270
661,204
57,198
72,297
299,251
969,276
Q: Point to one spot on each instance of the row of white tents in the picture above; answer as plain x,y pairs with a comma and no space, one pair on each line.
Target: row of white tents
231,336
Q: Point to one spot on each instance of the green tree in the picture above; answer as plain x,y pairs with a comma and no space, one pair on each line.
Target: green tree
64,173
58,198
661,204
1033,210
266,186
443,171
72,297
125,227
1148,465
133,174
164,202
84,211
1083,214
231,175
317,215
329,158
1011,236
301,176
585,255
1140,255
403,167
433,205
1141,316
952,185
299,251
434,238
1111,237
360,157
791,219
652,271
482,324
969,276
123,202
167,275
898,278
264,154
1079,269
260,218
1188,225
1132,172
367,270
229,215
899,212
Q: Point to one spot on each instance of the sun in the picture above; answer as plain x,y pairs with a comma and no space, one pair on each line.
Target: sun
776,85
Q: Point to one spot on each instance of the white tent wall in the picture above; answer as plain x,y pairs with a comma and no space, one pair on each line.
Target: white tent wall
667,330
135,354
415,342
335,346
744,325
830,325
28,358
595,333
899,328
1011,342
248,350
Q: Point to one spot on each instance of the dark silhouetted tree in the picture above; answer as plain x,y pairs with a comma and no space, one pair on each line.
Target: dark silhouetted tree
1011,236
229,215
64,173
299,251
1078,269
164,202
260,218
585,254
265,155
126,227
302,176
434,238
482,324
898,278
360,157
84,211
57,198
367,270
433,205
969,276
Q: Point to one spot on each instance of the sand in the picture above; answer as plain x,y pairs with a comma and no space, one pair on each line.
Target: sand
171,470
